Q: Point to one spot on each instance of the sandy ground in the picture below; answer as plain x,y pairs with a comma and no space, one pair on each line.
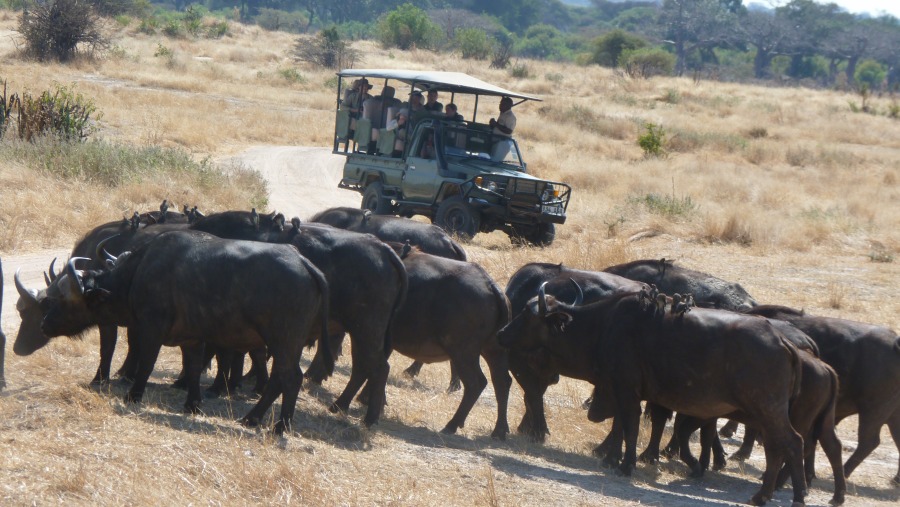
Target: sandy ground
304,180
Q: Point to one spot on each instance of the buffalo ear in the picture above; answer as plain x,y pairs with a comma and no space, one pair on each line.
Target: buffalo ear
95,297
558,321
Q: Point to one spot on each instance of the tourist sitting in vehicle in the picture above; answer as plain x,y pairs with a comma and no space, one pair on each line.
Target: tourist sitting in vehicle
503,128
432,104
452,113
398,125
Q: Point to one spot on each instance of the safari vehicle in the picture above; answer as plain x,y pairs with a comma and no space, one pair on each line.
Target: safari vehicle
459,174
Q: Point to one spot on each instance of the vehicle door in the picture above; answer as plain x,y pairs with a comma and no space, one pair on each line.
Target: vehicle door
422,178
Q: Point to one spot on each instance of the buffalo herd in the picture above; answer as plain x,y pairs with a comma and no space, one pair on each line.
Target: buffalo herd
683,342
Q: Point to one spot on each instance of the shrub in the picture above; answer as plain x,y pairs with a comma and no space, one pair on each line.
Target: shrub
870,73
61,113
277,20
473,43
407,26
326,50
217,30
520,70
542,41
652,141
502,51
609,47
54,29
646,62
667,205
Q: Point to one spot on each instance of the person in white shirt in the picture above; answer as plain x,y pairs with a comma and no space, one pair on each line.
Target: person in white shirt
503,127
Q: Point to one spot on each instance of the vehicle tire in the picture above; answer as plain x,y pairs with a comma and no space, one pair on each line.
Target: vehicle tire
541,235
374,200
455,216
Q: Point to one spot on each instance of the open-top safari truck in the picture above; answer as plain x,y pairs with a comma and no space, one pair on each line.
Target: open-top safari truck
463,175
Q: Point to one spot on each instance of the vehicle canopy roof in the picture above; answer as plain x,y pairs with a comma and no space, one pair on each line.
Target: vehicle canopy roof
453,82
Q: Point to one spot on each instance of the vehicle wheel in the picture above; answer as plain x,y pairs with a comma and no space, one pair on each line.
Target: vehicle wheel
374,201
540,235
455,216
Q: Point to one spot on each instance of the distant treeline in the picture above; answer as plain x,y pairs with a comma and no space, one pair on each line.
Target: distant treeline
817,44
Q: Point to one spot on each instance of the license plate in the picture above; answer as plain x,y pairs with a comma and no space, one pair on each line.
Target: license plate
553,209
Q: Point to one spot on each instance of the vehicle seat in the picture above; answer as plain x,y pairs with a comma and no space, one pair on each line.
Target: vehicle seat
386,141
342,125
363,133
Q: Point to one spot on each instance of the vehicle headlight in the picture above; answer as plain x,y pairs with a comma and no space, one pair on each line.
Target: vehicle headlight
546,195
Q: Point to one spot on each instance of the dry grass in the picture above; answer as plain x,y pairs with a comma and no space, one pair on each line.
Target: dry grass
804,215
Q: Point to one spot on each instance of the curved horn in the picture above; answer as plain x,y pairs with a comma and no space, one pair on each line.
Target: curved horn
101,252
579,297
73,273
23,292
52,271
542,300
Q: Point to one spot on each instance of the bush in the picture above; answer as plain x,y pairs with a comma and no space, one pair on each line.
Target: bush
407,26
502,51
326,50
473,43
277,20
646,62
608,48
871,73
54,29
652,141
60,113
542,41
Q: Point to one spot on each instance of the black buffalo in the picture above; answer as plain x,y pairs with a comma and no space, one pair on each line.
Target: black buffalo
867,360
426,237
188,288
707,290
453,311
536,369
703,363
368,284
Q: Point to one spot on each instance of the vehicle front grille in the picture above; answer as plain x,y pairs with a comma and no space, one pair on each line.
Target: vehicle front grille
521,186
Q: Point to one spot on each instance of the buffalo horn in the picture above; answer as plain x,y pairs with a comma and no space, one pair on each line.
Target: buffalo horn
52,271
542,299
101,252
73,273
25,293
579,294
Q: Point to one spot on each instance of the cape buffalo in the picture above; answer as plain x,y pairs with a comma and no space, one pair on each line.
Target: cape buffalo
187,288
368,284
707,290
453,311
536,369
428,238
704,363
867,360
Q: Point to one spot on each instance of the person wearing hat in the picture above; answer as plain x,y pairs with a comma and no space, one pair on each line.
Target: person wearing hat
353,99
416,102
399,126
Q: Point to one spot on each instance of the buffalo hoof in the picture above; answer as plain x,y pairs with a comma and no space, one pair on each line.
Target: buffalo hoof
449,429
896,480
759,499
280,427
610,461
798,504
837,499
528,430
696,471
719,464
192,407
727,431
413,370
336,409
670,452
132,397
455,385
248,422
499,434
96,381
2,383
647,457
180,384
740,455
625,469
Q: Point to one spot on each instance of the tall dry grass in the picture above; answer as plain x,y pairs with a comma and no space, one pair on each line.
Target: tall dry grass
792,215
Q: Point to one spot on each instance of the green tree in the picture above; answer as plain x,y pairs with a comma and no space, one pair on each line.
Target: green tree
871,73
407,26
473,43
53,29
691,25
647,62
608,47
541,41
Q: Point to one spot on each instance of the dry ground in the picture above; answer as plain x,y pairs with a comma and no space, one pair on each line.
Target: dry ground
796,216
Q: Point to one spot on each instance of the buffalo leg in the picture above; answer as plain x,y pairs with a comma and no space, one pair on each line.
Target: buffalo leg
316,372
685,426
474,382
413,370
193,367
782,444
258,362
894,426
746,449
870,423
2,355
291,380
610,449
148,352
235,372
728,430
658,417
270,393
498,363
631,421
225,359
534,422
108,338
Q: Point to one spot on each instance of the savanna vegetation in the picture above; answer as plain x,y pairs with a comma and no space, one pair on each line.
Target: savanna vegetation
792,192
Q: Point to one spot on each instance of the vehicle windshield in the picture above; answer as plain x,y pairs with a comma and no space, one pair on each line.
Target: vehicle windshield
477,142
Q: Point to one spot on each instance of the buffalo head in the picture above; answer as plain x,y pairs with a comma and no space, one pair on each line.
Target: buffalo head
63,308
542,320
